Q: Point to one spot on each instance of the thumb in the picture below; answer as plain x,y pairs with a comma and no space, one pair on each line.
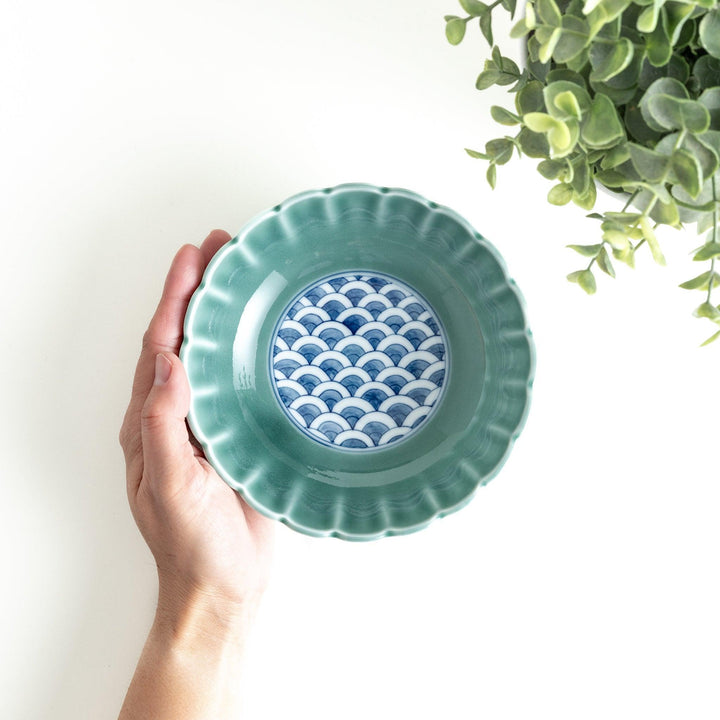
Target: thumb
167,453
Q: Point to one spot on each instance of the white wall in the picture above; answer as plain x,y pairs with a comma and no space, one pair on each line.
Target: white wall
581,583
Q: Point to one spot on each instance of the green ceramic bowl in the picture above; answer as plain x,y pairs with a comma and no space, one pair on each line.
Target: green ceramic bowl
359,362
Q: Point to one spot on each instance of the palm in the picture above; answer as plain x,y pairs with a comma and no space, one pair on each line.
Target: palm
202,534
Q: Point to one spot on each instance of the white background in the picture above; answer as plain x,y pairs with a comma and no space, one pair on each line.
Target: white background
581,583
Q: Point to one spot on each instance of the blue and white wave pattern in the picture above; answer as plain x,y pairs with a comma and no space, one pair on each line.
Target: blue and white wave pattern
358,361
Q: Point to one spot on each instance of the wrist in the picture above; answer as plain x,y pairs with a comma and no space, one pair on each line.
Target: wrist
193,658
199,617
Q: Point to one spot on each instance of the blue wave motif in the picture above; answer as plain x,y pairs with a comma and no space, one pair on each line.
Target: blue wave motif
359,361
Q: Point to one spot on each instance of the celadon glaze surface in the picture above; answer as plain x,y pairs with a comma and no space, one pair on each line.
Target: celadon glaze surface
230,337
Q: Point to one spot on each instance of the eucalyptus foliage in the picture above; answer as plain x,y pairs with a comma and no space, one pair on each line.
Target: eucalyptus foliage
621,93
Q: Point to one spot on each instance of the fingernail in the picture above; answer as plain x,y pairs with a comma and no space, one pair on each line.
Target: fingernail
163,367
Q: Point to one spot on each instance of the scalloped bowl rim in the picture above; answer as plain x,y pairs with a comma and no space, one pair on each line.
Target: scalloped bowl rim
188,341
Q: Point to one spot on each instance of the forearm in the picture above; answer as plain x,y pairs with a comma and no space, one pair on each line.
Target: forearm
191,663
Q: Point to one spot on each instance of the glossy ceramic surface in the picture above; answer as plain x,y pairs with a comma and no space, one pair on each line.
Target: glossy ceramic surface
359,362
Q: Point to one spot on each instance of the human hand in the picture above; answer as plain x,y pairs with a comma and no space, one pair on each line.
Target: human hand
211,549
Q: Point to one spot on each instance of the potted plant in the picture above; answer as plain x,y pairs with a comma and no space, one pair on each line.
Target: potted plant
622,95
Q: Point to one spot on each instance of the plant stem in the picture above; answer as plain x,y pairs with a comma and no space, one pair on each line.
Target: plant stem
629,201
714,238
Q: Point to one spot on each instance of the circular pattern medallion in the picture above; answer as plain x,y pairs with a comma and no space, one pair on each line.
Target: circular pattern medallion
358,361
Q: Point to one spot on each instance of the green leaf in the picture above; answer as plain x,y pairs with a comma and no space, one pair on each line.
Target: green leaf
564,74
575,37
530,17
610,9
675,114
619,96
662,86
703,150
615,156
651,239
626,255
611,179
520,28
710,32
711,140
487,78
455,30
503,116
568,105
581,174
596,156
628,79
708,251
677,68
665,213
586,200
603,261
711,100
476,154
532,144
610,60
688,171
685,36
602,127
530,98
542,122
510,6
500,150
486,27
622,218
579,62
586,280
551,169
657,43
677,14
701,282
537,69
491,175
712,338
473,7
559,133
650,164
565,100
707,71
706,4
703,203
637,128
608,29
547,48
586,250
707,310
647,21
498,71
560,194
548,12
706,155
